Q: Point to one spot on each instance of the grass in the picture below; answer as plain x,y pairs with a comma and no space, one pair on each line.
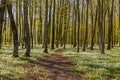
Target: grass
95,66
8,65
91,64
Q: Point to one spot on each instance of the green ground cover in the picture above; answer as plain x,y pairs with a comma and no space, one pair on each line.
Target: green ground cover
95,66
8,65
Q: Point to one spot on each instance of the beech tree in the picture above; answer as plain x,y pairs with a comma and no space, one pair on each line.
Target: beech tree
26,29
101,43
86,30
86,24
2,11
46,28
14,30
78,8
110,29
53,26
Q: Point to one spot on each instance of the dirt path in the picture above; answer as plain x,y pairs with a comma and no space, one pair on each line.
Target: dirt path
56,66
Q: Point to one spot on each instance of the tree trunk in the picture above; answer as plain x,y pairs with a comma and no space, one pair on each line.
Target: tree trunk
86,30
110,30
2,10
101,44
14,30
26,29
78,40
45,28
53,26
94,30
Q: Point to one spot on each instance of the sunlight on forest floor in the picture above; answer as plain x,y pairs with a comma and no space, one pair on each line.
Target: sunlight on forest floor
93,65
8,65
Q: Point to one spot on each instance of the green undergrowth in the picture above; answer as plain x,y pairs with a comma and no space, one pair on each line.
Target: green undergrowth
13,68
95,66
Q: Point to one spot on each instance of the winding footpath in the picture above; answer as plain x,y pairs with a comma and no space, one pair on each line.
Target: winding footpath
56,66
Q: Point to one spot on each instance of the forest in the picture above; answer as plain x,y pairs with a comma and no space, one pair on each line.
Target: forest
59,39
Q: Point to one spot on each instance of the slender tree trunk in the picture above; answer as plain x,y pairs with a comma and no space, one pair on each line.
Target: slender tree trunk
119,22
50,22
100,28
86,31
26,29
39,38
78,41
53,26
45,28
57,26
2,10
110,31
14,30
94,30
74,27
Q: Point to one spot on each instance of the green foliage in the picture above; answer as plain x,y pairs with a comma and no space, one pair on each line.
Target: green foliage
13,68
94,66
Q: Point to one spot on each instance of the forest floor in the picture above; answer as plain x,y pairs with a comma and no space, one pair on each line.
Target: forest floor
56,67
60,64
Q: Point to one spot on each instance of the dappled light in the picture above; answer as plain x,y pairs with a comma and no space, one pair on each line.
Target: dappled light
59,39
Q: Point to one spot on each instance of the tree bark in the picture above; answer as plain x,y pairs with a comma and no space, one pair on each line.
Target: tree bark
110,29
2,10
26,29
101,44
94,30
78,40
45,28
14,30
53,26
86,30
